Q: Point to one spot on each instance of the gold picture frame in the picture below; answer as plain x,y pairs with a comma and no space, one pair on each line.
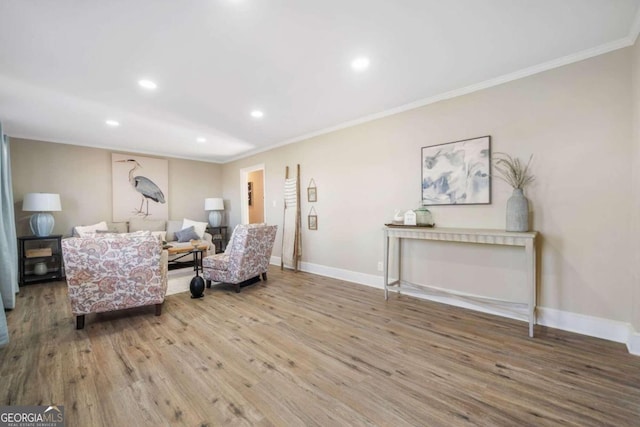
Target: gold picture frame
313,222
312,192
312,219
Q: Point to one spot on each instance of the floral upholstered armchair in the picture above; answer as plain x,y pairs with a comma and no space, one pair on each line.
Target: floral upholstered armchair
107,272
246,257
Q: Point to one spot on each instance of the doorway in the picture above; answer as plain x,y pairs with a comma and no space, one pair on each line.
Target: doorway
252,193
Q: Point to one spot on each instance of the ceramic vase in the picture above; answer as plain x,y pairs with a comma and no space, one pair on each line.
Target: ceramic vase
197,287
517,211
40,269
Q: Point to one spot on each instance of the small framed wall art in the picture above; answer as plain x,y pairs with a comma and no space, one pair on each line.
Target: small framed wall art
313,219
312,191
457,173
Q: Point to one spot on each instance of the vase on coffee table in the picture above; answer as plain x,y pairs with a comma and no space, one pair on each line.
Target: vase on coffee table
197,283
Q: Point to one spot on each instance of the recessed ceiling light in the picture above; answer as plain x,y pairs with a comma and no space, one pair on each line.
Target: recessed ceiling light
257,114
360,64
201,140
147,84
112,123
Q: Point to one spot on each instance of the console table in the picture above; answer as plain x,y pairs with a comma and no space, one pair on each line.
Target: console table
527,240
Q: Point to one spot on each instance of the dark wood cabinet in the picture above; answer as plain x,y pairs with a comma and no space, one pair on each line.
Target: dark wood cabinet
40,259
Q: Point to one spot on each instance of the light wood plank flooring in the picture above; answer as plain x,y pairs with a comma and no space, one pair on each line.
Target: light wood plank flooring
309,350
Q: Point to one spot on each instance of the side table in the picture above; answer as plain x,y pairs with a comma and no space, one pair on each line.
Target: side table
220,237
40,259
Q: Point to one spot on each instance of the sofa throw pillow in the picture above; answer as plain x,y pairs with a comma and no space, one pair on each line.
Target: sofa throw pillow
198,227
186,234
84,231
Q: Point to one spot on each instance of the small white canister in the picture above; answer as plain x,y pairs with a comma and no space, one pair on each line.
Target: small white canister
409,218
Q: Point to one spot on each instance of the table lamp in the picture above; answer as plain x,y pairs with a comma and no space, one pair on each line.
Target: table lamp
215,205
42,222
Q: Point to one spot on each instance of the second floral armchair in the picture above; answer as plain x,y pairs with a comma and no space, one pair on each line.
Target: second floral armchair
246,258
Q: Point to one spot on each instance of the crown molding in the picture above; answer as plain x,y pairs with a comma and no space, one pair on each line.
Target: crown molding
526,72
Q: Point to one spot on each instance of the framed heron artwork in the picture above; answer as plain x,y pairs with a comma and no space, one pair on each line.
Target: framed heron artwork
140,187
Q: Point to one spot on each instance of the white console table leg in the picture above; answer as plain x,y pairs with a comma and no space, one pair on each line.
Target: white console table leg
531,282
386,266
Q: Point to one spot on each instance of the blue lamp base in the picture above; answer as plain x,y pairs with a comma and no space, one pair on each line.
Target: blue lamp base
41,224
215,218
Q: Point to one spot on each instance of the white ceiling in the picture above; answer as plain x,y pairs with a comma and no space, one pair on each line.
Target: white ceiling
67,66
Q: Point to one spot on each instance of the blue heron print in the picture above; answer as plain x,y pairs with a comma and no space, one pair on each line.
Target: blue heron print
143,185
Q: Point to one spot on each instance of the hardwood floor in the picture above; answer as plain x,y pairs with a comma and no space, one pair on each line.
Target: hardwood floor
309,350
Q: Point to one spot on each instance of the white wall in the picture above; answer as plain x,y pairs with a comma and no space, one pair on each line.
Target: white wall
82,177
576,120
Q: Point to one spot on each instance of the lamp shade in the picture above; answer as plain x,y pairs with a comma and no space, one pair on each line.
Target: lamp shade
41,202
213,204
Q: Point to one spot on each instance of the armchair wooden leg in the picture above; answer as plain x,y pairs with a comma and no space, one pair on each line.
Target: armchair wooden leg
237,288
158,309
208,283
264,276
80,321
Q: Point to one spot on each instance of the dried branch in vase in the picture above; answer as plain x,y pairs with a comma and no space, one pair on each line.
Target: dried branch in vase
512,171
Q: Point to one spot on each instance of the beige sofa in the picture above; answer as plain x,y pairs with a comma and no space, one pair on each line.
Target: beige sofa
165,229
170,227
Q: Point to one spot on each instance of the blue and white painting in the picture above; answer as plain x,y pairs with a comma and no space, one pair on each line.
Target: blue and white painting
457,173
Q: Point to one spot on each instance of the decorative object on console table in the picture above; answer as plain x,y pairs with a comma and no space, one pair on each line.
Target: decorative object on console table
457,173
42,222
410,218
398,218
215,205
423,217
40,259
518,176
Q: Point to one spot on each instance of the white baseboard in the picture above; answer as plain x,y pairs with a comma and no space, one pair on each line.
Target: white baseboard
337,273
633,343
598,327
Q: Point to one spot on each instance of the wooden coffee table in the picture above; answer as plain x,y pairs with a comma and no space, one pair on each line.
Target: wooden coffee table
174,250
197,251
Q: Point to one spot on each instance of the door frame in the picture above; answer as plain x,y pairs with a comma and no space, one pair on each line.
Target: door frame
244,197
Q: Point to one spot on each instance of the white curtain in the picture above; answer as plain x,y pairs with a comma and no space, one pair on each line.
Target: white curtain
8,245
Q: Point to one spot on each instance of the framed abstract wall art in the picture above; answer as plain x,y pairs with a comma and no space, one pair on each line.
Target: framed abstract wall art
457,173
